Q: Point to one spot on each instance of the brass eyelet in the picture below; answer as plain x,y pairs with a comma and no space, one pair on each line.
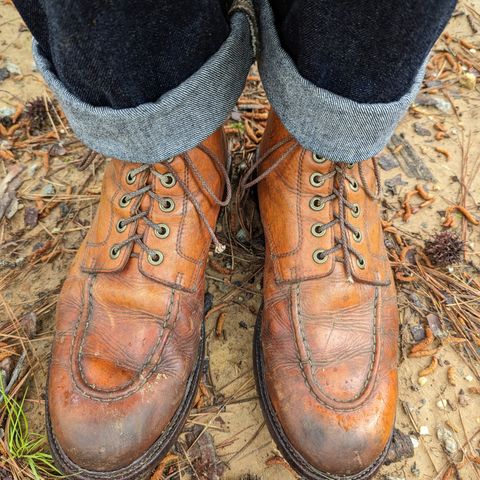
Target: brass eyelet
354,186
169,160
155,257
357,236
319,256
350,165
130,178
121,226
317,203
317,179
162,230
361,262
167,205
318,159
318,230
168,180
114,252
355,210
124,201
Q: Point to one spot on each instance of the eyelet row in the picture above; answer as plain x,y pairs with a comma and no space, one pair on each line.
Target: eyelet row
162,230
317,203
356,211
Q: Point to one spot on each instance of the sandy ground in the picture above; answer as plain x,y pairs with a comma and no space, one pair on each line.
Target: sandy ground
241,439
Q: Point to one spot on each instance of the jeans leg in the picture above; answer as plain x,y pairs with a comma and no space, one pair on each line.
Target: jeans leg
341,74
365,50
141,80
126,52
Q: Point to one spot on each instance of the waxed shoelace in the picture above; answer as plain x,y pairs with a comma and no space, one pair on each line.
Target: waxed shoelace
148,189
340,176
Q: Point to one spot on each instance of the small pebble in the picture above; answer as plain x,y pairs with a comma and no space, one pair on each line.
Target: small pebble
415,441
424,430
6,112
422,381
415,470
13,68
442,404
421,130
463,400
4,74
448,440
468,378
468,80
387,162
48,190
242,235
436,101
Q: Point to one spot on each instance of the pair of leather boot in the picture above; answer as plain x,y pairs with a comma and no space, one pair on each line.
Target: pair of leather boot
129,340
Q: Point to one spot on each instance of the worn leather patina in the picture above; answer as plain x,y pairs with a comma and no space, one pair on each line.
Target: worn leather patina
326,346
129,338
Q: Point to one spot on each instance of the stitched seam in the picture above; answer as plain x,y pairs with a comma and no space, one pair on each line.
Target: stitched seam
77,323
131,468
317,277
298,209
126,251
144,379
306,381
298,457
82,344
372,355
182,224
119,188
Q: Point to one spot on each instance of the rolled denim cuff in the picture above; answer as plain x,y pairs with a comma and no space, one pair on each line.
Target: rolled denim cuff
178,121
330,125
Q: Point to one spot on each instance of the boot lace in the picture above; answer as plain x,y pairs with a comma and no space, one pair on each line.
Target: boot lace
342,179
166,203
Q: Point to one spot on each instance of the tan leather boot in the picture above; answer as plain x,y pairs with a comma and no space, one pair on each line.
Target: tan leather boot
326,343
129,340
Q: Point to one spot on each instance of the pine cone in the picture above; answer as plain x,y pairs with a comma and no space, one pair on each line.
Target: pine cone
445,248
36,114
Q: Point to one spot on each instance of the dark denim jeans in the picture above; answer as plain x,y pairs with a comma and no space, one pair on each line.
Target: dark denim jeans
124,53
142,80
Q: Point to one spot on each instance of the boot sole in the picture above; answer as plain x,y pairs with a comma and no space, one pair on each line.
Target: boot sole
291,455
142,467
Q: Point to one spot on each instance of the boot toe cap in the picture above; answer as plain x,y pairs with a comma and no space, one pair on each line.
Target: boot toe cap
332,443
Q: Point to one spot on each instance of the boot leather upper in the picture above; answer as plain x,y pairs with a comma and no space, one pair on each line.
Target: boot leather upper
128,330
329,341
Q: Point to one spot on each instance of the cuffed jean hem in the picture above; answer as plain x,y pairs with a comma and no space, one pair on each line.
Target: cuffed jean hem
178,121
330,125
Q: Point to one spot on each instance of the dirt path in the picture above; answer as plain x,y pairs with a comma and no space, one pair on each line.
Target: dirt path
228,405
